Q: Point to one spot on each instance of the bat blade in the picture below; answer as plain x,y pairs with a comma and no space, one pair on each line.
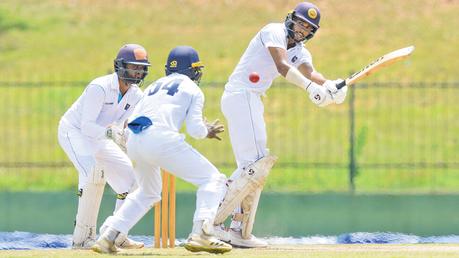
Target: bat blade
377,64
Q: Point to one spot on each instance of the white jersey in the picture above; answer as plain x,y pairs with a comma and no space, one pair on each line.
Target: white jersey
171,101
98,107
257,58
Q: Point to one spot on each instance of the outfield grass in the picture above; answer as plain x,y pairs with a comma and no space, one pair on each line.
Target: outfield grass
77,40
294,251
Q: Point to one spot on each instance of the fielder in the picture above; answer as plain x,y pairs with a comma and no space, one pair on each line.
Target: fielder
88,131
154,142
277,49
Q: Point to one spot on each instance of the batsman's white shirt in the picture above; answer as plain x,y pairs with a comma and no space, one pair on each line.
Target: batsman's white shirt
258,59
241,102
169,102
82,129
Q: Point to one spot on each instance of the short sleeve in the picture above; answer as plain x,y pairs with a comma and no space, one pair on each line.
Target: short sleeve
273,36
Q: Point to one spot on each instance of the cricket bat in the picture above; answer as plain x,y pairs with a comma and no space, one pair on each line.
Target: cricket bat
379,63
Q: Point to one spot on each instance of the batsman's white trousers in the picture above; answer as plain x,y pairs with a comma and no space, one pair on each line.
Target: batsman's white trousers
244,111
156,148
84,153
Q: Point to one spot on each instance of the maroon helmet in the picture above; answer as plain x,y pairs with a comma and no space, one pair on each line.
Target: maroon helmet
131,54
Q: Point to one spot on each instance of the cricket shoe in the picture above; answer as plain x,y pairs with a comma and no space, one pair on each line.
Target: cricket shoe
206,243
105,246
234,237
124,242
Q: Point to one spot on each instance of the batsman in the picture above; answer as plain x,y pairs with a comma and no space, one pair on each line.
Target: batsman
277,49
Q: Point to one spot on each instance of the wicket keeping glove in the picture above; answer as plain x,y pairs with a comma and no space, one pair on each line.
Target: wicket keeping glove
214,128
117,135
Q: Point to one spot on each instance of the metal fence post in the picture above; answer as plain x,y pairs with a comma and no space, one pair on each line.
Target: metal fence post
352,161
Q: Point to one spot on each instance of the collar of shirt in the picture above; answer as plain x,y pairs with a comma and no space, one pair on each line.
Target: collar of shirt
120,97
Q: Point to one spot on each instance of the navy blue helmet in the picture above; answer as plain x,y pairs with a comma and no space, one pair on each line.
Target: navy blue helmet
305,12
131,54
185,60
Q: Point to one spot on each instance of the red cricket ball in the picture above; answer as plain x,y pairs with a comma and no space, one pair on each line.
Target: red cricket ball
254,77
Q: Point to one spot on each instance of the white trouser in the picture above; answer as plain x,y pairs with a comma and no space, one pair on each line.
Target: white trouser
97,162
85,153
244,111
153,149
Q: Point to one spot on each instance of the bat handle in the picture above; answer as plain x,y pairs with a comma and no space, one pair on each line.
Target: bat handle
341,84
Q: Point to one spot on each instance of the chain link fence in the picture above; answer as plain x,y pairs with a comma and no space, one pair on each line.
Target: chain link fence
385,135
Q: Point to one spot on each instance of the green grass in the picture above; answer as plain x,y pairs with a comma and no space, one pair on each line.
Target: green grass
310,180
337,251
77,40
